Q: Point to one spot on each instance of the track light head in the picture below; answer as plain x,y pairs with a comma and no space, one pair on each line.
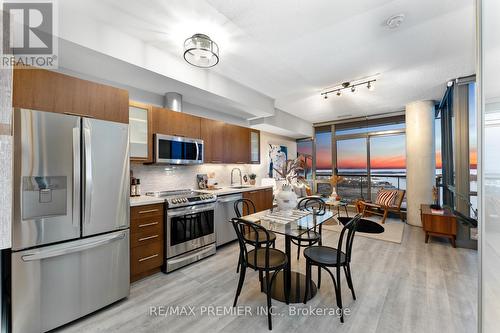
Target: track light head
339,93
353,88
326,96
370,86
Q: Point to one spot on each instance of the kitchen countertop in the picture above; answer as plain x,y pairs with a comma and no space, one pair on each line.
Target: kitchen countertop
147,200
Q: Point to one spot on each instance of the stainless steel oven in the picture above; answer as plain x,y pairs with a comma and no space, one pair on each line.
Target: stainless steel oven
190,234
178,150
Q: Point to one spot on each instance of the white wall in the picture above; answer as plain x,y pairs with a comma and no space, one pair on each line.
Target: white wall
164,177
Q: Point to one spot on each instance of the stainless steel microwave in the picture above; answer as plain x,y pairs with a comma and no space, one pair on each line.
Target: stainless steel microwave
170,149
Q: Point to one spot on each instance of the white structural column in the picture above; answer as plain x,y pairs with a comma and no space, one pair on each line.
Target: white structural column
420,157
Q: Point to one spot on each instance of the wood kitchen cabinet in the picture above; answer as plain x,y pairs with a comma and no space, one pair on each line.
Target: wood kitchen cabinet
141,134
146,240
44,90
236,144
212,134
254,146
262,199
170,122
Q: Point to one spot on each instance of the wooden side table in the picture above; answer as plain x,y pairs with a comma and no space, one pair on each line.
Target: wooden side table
439,225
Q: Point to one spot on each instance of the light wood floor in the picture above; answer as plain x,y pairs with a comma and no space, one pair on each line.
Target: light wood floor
408,287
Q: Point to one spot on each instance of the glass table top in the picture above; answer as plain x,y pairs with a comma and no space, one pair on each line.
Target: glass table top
293,226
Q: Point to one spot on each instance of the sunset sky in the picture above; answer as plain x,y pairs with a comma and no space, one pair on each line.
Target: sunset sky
387,152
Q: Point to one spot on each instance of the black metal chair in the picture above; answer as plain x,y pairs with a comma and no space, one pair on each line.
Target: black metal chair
262,258
313,236
247,208
325,256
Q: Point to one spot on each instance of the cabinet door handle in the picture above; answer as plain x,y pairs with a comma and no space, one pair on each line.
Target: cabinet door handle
215,161
240,162
147,238
253,192
148,211
147,224
147,258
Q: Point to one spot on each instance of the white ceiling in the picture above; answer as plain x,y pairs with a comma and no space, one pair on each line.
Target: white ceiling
291,50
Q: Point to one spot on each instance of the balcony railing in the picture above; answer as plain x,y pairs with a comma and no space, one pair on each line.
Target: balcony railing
355,186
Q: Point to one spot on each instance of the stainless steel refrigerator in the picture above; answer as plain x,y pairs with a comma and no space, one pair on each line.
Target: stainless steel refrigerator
70,241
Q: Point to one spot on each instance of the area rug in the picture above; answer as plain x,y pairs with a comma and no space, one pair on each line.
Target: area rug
393,231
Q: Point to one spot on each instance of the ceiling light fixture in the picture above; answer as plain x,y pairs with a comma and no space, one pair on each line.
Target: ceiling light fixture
348,85
201,51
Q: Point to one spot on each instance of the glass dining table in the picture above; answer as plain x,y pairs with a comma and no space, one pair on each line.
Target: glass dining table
291,227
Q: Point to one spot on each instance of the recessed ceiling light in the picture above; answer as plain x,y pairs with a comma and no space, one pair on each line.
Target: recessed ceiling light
395,21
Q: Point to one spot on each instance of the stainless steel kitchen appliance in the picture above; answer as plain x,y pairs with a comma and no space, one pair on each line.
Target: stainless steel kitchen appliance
170,149
224,212
70,240
189,226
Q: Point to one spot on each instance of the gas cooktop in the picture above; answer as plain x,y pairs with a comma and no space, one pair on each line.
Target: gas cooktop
184,197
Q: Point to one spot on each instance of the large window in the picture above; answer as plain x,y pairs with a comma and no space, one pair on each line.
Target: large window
368,155
305,152
352,166
323,153
387,162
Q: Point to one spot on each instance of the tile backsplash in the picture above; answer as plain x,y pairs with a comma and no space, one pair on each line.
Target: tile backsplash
168,177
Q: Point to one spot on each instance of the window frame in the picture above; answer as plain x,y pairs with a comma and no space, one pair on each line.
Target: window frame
367,135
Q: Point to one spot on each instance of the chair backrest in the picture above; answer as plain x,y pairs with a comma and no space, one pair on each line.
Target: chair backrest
399,198
347,232
241,227
246,205
324,189
312,204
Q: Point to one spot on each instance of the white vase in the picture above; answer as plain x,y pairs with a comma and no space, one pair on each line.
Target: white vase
286,199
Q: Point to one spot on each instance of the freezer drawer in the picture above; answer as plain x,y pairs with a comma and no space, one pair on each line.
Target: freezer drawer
57,284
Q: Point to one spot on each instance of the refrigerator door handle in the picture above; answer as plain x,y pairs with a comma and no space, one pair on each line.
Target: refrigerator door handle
88,174
76,176
67,250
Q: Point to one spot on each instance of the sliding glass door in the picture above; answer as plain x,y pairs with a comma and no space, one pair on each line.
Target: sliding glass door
352,167
387,163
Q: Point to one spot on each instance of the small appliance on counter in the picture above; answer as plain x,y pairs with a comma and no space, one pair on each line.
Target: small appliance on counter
207,182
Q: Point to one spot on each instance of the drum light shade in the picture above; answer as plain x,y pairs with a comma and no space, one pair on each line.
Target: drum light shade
201,51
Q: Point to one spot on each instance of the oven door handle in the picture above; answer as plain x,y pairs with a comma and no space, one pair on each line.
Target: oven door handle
188,211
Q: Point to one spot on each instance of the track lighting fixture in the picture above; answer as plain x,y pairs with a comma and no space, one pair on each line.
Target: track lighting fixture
348,85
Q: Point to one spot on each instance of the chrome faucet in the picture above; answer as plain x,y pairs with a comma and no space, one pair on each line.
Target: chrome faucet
241,180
